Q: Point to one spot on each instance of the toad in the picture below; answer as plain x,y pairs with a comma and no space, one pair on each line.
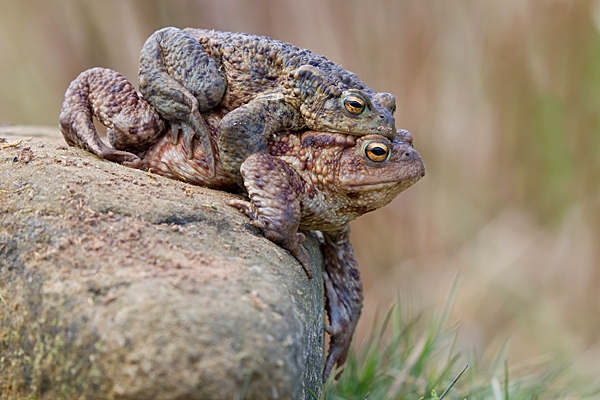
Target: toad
307,181
267,86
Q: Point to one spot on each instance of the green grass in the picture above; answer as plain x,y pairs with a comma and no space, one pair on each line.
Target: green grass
414,357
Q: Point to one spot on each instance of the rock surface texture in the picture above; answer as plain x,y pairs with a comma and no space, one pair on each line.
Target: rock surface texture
119,284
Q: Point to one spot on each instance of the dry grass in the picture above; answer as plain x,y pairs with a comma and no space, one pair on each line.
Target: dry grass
502,97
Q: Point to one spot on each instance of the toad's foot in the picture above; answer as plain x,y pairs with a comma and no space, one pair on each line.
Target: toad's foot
344,297
133,124
273,187
181,81
291,243
188,136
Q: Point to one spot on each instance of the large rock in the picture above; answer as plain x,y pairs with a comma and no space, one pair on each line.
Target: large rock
119,284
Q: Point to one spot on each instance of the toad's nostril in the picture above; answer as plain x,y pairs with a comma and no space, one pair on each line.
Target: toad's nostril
409,155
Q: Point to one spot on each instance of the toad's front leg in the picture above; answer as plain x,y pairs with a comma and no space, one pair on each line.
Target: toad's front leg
181,81
106,94
246,130
344,294
274,189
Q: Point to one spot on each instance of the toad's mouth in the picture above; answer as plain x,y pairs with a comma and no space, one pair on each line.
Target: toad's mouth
371,187
405,181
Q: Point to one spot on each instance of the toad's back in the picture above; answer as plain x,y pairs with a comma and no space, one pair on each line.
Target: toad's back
258,64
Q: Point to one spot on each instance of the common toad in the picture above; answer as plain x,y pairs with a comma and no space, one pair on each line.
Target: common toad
267,85
308,181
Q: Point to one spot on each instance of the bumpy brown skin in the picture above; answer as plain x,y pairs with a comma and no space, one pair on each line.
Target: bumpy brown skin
309,181
132,123
267,85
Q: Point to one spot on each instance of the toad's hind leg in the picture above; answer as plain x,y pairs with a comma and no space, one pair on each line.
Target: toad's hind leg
181,81
344,295
133,124
274,190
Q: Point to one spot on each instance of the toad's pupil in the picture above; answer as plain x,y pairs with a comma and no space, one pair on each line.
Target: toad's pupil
378,151
355,104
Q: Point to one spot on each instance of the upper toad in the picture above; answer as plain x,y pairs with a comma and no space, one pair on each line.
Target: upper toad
267,86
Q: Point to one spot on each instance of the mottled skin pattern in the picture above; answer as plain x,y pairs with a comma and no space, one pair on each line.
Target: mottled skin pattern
267,85
308,181
132,123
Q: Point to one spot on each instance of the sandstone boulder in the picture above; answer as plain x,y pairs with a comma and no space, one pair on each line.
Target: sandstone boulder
120,284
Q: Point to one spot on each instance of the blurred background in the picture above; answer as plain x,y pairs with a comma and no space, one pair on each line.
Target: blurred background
503,100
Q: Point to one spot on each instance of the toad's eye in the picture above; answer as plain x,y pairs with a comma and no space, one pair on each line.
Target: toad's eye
377,151
354,104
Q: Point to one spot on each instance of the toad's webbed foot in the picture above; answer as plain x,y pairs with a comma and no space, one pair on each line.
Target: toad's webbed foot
106,94
344,295
188,137
273,186
181,81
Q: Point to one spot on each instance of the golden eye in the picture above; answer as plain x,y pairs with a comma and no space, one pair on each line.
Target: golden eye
377,151
354,104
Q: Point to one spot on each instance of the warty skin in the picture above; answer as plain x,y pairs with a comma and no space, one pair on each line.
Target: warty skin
303,181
